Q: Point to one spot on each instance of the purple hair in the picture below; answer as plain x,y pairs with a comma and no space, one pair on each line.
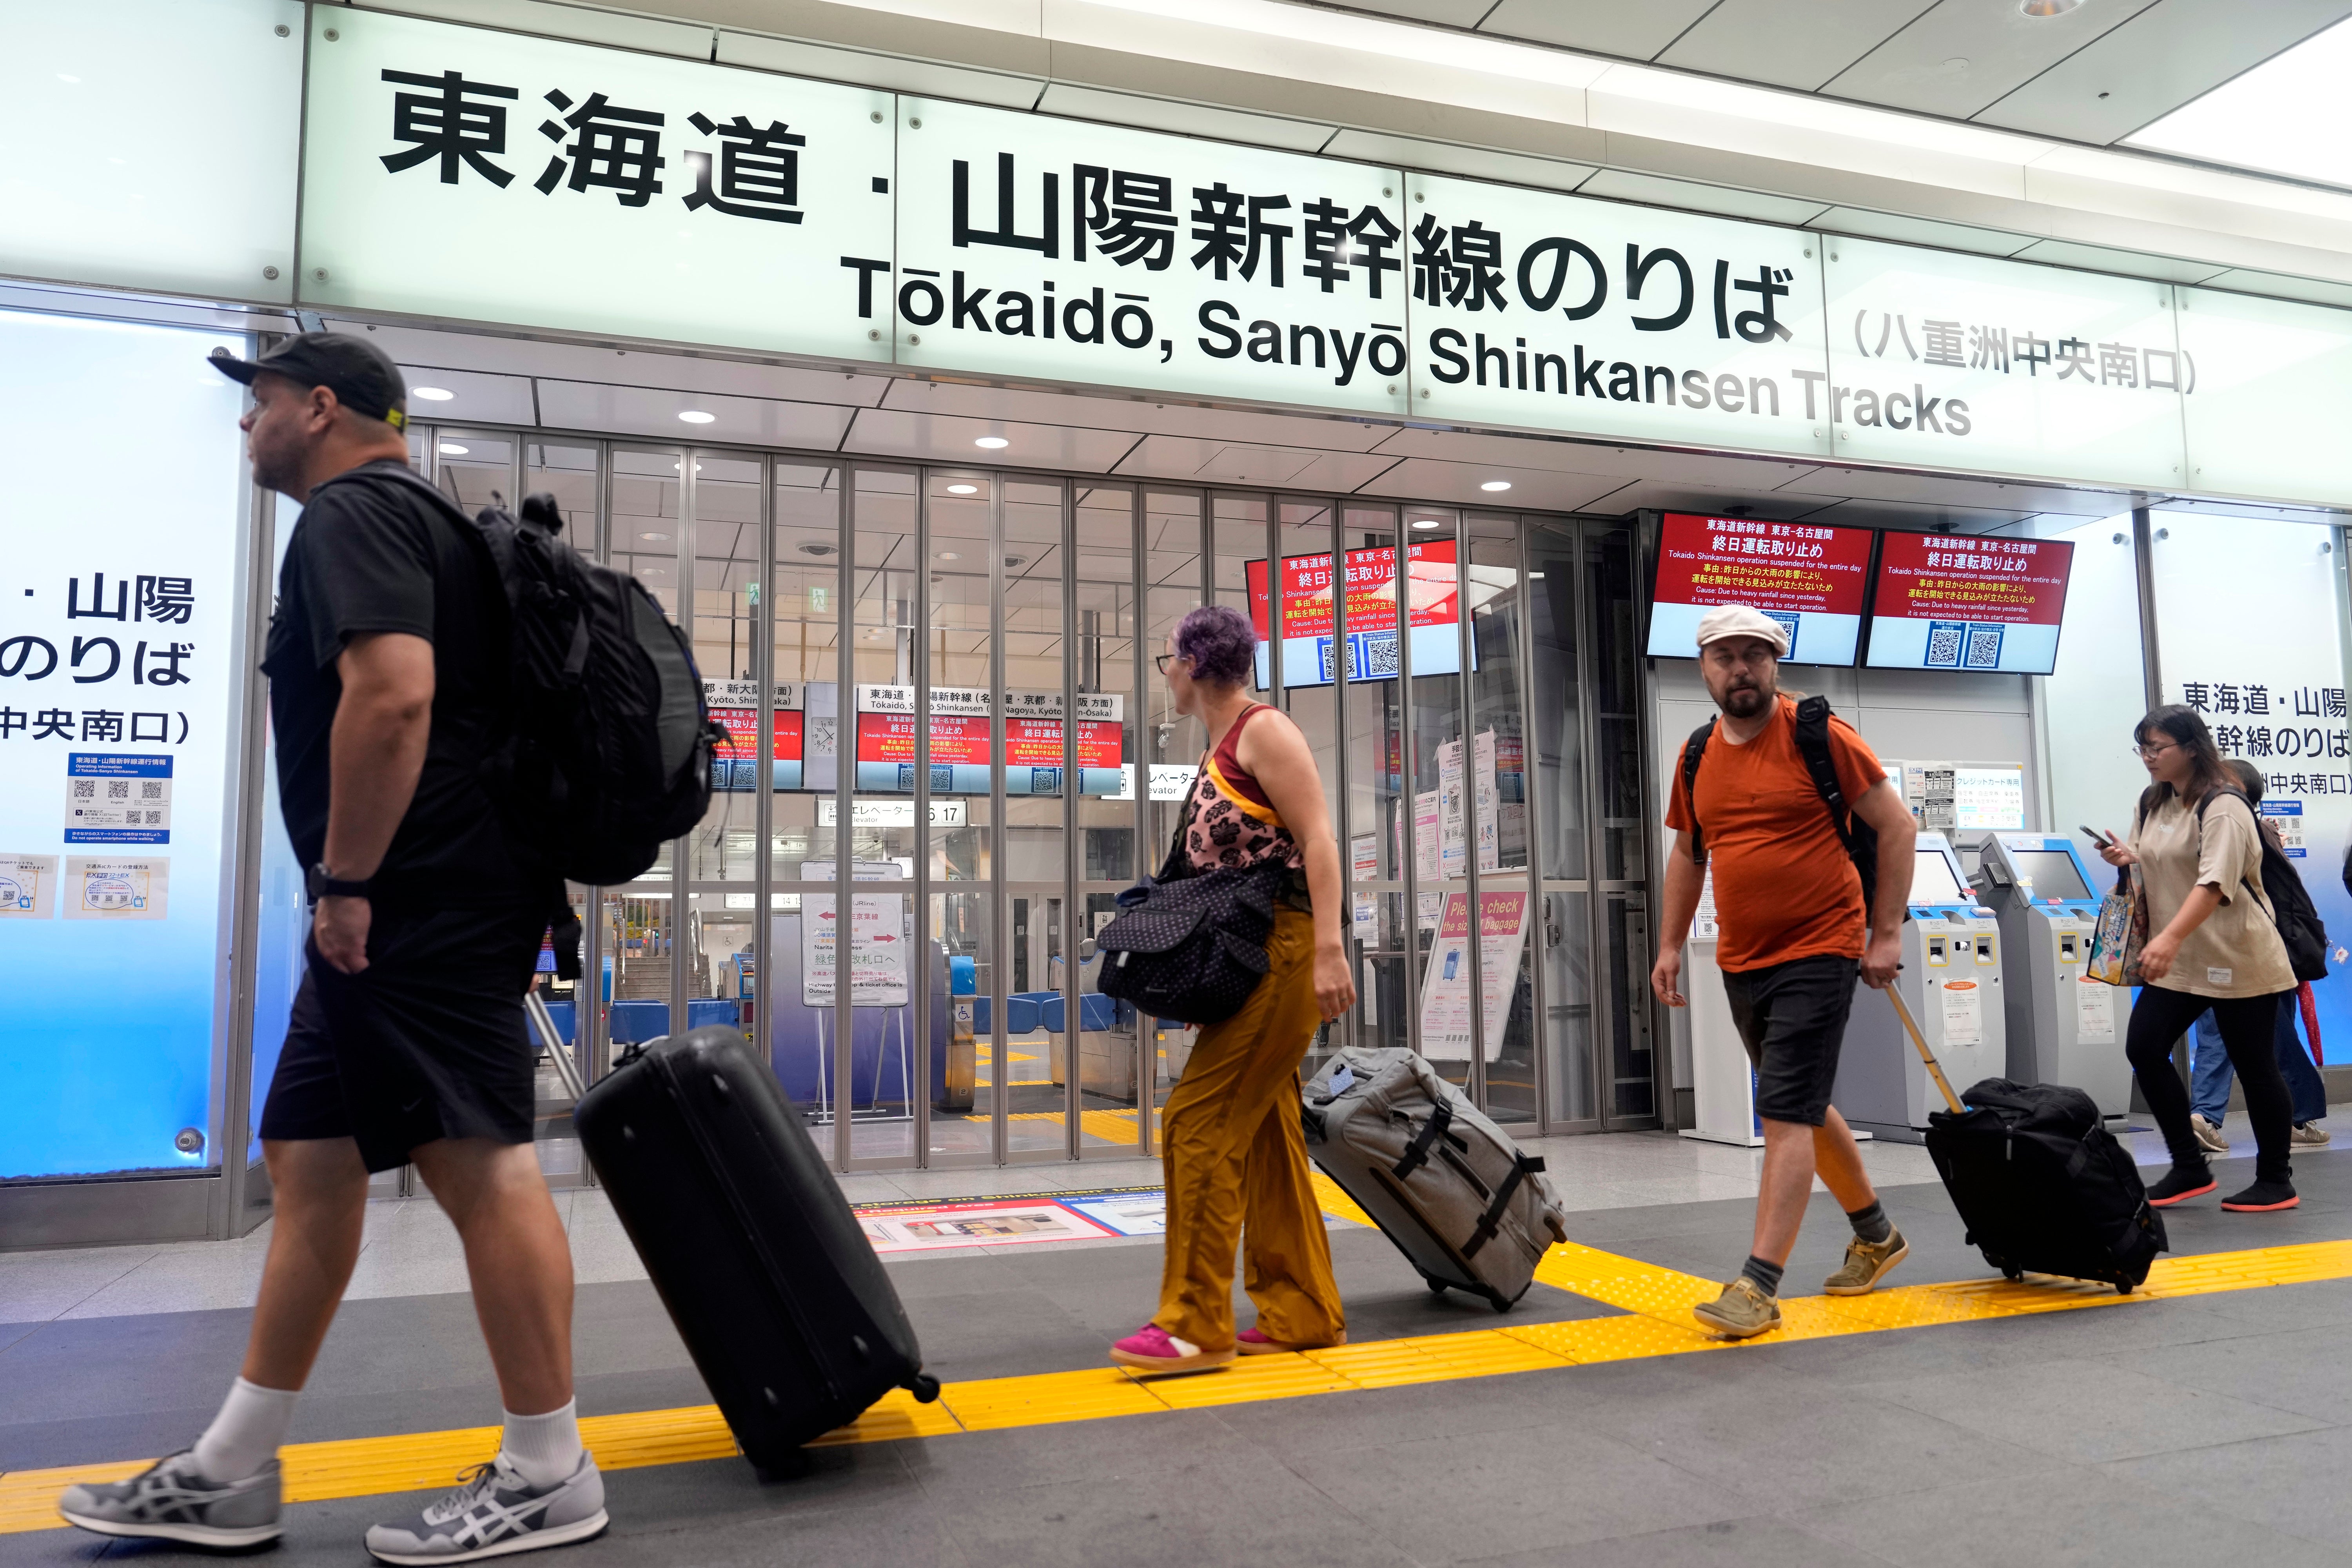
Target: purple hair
1219,642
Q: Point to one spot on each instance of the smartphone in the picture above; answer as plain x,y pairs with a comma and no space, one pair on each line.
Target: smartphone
2099,838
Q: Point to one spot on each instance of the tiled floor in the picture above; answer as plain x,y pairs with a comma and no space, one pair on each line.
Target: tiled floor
410,1250
2158,1432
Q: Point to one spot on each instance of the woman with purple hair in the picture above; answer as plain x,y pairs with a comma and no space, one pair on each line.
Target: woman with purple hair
1235,1156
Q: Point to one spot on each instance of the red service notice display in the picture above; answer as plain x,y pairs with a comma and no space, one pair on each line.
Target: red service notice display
1309,633
1977,603
1810,577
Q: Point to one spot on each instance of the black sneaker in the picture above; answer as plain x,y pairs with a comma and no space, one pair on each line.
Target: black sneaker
171,1500
2181,1182
495,1512
2263,1197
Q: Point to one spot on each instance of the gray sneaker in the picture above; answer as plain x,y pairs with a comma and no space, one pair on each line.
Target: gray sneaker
171,1500
495,1512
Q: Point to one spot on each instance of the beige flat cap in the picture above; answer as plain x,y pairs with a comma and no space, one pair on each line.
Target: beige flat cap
1742,621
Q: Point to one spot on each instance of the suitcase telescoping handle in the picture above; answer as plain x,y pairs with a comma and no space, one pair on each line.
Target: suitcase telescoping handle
1935,1068
535,1005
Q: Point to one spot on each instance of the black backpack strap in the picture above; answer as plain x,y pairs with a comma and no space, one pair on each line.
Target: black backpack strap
1694,752
1814,745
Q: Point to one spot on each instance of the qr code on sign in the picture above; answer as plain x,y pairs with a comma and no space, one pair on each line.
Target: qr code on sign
1984,648
1376,658
1944,639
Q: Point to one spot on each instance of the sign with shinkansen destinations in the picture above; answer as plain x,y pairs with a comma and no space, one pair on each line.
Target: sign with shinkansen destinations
1115,257
456,172
1944,360
1561,312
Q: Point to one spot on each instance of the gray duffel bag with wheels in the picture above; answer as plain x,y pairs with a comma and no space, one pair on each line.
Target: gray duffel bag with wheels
1457,1195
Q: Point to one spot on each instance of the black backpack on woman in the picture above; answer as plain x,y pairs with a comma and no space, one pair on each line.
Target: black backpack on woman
1190,945
2298,921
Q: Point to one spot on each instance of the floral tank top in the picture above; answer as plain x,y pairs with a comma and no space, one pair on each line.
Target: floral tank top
1234,824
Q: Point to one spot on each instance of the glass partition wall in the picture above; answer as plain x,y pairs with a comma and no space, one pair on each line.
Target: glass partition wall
948,751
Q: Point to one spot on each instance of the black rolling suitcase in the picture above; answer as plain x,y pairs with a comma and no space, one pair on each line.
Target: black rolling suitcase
789,1315
2041,1186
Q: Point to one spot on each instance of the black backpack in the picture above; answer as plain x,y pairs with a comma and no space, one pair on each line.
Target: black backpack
1191,946
2298,922
1859,839
609,754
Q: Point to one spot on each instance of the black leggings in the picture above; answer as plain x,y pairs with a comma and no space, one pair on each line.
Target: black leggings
2248,1024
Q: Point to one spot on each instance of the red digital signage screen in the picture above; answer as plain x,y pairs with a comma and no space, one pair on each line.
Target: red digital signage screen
1811,577
1957,602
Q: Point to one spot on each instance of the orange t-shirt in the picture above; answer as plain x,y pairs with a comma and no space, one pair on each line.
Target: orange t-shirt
1784,887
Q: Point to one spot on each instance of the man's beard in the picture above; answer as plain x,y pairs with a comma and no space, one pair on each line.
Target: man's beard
1745,701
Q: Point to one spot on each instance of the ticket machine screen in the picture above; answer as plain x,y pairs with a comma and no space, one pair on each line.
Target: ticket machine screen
1932,881
2053,873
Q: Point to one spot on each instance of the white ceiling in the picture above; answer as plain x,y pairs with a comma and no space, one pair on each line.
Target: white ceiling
640,393
2096,74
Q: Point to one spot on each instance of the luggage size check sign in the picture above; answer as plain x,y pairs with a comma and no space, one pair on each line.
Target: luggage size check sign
1656,1302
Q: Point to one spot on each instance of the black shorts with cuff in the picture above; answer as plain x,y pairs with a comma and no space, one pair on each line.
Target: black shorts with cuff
1791,1017
427,1042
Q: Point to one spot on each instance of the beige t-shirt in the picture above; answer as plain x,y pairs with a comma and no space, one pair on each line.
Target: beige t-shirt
2237,952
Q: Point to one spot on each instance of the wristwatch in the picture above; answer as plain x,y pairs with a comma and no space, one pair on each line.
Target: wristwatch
319,884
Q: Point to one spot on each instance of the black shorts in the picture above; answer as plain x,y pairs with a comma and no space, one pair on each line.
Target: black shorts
427,1042
1791,1017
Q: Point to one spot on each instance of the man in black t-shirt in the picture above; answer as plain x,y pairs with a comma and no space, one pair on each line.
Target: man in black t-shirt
406,1044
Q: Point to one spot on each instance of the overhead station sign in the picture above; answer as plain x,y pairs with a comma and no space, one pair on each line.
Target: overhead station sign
1811,577
462,174
1975,604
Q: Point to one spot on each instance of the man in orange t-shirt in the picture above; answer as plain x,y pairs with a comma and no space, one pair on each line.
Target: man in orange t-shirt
1789,903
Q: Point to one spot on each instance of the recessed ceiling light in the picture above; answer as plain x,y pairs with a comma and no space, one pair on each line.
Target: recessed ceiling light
697,416
812,548
1495,485
75,80
1427,523
992,443
963,489
680,466
948,555
1012,561
2047,8
656,537
451,449
432,394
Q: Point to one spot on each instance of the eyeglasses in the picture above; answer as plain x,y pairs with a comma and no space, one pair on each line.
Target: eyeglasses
1162,661
2154,751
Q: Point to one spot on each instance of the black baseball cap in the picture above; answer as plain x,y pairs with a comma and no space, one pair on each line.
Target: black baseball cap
361,376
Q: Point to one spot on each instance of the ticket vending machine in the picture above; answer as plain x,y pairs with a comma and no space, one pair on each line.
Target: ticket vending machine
2063,1026
1950,979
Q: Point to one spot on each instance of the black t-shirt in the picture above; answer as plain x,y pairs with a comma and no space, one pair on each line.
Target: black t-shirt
373,553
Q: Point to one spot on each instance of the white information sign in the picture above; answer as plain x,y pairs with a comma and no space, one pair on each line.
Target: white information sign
1963,1002
1124,257
29,887
880,935
1555,312
2269,397
460,173
1987,799
2094,1010
1971,361
105,889
2248,608
1446,1023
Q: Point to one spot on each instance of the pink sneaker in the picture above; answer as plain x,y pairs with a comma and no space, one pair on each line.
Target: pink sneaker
1254,1341
1152,1349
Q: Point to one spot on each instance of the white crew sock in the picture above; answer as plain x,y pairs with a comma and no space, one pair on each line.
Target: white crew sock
544,1449
246,1434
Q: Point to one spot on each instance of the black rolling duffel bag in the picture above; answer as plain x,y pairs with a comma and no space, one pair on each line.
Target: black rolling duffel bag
789,1315
2041,1186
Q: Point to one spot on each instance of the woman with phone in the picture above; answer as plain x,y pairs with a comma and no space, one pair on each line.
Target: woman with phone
2214,943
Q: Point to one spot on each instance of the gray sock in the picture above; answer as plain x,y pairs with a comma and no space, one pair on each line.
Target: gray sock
1870,1223
1766,1275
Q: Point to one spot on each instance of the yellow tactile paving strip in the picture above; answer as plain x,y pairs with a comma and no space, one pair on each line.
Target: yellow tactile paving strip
1656,1301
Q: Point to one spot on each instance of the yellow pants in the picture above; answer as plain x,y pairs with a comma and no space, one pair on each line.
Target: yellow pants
1236,1163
